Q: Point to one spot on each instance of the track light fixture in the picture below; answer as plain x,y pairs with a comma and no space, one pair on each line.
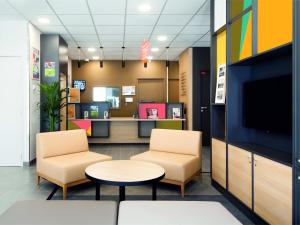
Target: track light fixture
78,62
101,63
123,63
145,64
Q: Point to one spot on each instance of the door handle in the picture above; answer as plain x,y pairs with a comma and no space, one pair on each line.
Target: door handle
203,107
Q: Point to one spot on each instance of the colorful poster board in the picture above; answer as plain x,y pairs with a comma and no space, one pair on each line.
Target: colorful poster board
275,24
49,69
81,124
238,6
150,110
35,64
221,49
241,38
74,95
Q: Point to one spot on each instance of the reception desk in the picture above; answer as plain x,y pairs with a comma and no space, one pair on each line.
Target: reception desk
123,129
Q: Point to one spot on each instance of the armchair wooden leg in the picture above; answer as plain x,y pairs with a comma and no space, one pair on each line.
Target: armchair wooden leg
182,189
65,188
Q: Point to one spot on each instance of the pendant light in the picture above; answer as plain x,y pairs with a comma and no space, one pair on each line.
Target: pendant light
123,61
101,57
78,62
167,61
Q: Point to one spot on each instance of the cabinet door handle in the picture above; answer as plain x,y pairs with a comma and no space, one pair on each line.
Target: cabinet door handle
250,161
255,162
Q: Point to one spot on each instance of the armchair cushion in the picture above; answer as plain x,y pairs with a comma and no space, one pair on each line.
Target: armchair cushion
176,141
61,142
71,167
178,167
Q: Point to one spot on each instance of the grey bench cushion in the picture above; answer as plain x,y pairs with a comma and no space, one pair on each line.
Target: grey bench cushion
61,213
174,213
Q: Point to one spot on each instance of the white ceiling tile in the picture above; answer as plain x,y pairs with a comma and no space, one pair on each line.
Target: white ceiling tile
110,30
5,8
202,44
33,18
181,44
200,20
206,8
141,19
132,44
52,29
117,20
138,38
156,6
113,38
167,30
8,17
112,44
88,44
182,7
107,7
195,29
81,29
76,20
172,20
205,37
187,37
165,43
67,7
79,38
28,7
140,30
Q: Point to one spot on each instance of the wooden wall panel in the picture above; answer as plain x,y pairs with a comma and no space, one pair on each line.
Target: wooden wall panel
112,74
219,162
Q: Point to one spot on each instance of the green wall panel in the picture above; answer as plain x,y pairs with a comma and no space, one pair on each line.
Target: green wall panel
174,125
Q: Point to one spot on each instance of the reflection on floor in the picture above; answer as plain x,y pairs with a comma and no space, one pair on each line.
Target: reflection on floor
19,183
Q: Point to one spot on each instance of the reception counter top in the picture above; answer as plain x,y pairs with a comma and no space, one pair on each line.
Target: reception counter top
129,119
123,129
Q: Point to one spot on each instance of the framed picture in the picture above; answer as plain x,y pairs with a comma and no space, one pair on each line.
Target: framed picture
71,111
221,84
128,90
152,113
74,95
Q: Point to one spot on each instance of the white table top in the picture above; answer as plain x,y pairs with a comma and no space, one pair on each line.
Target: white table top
125,171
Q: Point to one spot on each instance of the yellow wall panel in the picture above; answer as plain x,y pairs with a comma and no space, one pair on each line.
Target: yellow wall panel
221,49
274,23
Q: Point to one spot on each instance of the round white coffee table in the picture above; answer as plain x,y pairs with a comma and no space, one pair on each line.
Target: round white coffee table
124,173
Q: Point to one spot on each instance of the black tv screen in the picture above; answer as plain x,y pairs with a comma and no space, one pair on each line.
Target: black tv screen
79,84
268,104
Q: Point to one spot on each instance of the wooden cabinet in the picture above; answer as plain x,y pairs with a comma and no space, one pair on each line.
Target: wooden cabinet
272,191
240,174
219,162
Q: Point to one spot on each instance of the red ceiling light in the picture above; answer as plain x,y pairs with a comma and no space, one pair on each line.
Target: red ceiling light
145,48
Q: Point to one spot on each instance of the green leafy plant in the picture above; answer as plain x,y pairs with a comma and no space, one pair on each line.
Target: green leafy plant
52,103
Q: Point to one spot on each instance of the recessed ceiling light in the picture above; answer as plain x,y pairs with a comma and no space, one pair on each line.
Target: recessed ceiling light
150,57
43,20
95,57
91,49
144,8
162,37
154,49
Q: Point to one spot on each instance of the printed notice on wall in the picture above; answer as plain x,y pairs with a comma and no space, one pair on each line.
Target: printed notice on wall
221,84
128,90
35,64
49,69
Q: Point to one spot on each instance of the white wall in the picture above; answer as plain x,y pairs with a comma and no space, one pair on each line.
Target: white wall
34,92
14,43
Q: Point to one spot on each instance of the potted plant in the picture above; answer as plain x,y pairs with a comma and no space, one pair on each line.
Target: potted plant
52,103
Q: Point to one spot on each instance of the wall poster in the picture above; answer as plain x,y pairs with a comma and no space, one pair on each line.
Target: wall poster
221,84
128,90
35,64
49,69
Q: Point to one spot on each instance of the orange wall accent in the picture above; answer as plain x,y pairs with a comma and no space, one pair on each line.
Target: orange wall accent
274,23
221,49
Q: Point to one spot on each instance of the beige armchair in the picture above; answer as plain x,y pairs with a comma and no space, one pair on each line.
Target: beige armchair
63,156
178,152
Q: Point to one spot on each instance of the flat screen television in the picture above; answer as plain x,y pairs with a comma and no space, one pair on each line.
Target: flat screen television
79,84
268,104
